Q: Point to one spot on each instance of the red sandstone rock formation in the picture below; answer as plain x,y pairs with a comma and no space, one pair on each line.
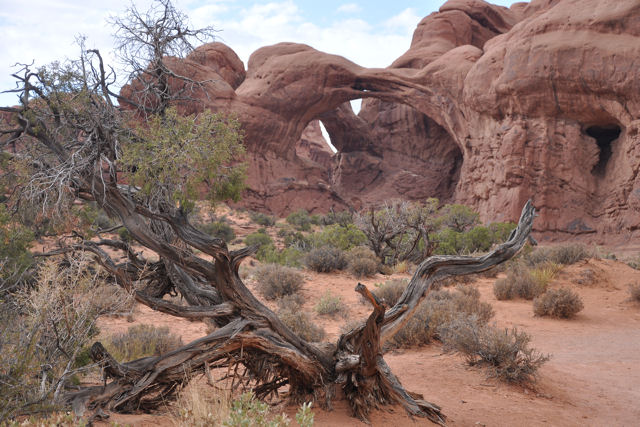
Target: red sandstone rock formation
489,106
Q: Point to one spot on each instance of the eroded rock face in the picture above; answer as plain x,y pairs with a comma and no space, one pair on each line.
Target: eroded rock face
489,106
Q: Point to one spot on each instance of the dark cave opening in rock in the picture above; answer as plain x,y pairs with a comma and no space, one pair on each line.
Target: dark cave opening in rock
604,136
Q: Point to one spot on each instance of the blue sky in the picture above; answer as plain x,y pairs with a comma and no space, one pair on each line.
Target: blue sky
370,33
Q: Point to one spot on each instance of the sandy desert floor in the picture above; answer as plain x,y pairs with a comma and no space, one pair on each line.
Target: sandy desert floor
592,379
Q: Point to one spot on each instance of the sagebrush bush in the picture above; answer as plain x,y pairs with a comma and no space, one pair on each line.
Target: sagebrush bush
503,289
260,238
301,324
325,259
362,262
525,282
275,281
562,303
634,291
219,229
262,219
439,309
565,255
141,341
300,219
506,352
44,329
291,302
330,305
391,290
342,218
249,411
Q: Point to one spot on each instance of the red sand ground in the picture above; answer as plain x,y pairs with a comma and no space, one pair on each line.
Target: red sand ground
592,379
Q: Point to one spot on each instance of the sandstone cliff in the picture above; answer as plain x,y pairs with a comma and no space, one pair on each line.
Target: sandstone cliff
489,106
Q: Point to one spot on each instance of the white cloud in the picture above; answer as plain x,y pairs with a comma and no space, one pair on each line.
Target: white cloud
349,8
44,30
406,21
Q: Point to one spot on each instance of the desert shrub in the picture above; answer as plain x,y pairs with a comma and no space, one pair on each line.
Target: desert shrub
124,235
249,411
566,255
342,218
296,239
478,239
362,262
438,310
44,328
290,257
391,290
525,282
196,407
142,341
500,231
503,289
506,352
262,219
275,281
330,305
338,236
300,219
634,263
219,229
570,254
401,267
634,291
15,257
562,303
458,218
260,238
301,324
290,302
450,242
325,259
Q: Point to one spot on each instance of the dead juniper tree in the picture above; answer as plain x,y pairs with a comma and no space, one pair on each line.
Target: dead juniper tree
68,141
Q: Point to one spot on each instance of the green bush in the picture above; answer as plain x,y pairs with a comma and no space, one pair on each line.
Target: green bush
15,257
562,303
260,238
458,218
341,218
325,259
291,257
362,262
295,239
124,235
300,219
142,341
391,290
330,305
275,281
338,236
262,219
478,239
500,231
506,352
219,229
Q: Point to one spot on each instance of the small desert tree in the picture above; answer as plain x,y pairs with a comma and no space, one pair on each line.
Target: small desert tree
67,140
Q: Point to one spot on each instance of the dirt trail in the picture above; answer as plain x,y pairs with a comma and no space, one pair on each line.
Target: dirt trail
593,378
